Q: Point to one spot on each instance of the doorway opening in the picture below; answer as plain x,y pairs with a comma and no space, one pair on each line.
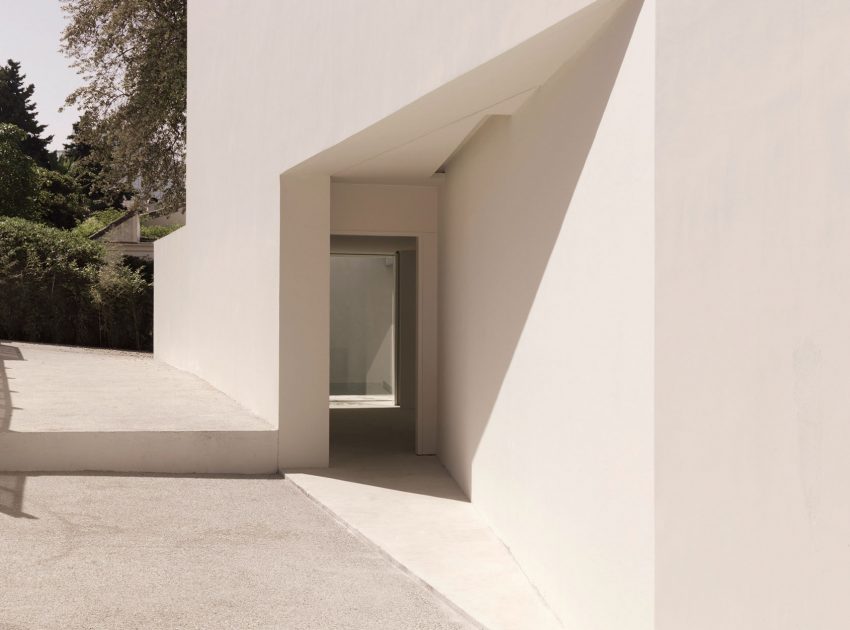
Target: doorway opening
372,376
364,330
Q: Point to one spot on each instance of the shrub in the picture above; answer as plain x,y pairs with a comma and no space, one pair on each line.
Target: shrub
60,200
57,286
98,221
124,304
153,232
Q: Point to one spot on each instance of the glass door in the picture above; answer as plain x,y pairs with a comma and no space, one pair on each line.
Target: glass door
363,330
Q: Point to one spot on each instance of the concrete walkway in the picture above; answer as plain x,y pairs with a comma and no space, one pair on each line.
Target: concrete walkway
105,552
72,409
58,388
412,509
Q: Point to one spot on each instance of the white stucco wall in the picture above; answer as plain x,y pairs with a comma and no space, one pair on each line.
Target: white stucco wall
569,294
546,329
753,304
271,83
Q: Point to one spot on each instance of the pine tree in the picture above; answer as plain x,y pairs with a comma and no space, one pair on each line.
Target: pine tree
16,108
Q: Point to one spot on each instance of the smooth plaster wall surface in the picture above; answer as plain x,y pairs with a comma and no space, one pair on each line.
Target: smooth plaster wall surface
546,329
753,305
271,83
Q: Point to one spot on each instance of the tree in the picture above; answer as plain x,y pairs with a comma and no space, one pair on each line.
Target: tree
19,183
59,199
34,193
81,162
132,56
16,108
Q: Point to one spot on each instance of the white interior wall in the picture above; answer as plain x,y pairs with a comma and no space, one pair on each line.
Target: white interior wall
546,329
753,304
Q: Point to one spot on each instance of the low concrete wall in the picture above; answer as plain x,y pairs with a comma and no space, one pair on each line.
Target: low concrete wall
212,452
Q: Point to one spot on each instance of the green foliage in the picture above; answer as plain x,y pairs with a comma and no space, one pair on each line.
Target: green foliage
85,165
17,108
98,221
132,56
19,182
142,265
59,199
59,287
153,232
32,192
123,299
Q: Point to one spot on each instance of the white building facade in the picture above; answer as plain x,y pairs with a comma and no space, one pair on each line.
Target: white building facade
633,250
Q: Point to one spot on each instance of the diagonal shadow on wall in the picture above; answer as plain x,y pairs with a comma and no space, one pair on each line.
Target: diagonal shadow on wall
514,248
535,169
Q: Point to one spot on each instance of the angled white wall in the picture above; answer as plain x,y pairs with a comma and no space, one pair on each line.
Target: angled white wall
272,82
570,295
546,328
753,305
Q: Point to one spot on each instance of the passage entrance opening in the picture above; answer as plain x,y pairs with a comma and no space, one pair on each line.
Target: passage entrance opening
364,329
372,380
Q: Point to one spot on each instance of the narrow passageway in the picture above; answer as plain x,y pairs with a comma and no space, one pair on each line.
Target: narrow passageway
411,508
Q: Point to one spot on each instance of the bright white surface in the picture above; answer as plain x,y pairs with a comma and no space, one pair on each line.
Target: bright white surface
57,388
72,409
753,305
355,402
318,72
546,329
304,323
749,288
412,509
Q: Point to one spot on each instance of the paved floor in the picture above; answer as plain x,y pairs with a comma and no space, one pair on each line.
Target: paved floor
72,409
412,509
107,389
127,552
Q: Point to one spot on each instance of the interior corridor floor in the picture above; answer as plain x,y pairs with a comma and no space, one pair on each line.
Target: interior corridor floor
411,508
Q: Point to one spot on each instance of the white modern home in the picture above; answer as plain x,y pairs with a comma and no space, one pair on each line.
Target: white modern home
595,253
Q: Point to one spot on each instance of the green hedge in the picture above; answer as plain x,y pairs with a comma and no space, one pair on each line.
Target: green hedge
57,286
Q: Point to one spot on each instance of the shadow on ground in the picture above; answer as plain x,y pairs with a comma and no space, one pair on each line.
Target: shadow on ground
375,447
11,484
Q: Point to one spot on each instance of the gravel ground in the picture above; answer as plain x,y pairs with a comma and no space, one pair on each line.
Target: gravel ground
112,551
